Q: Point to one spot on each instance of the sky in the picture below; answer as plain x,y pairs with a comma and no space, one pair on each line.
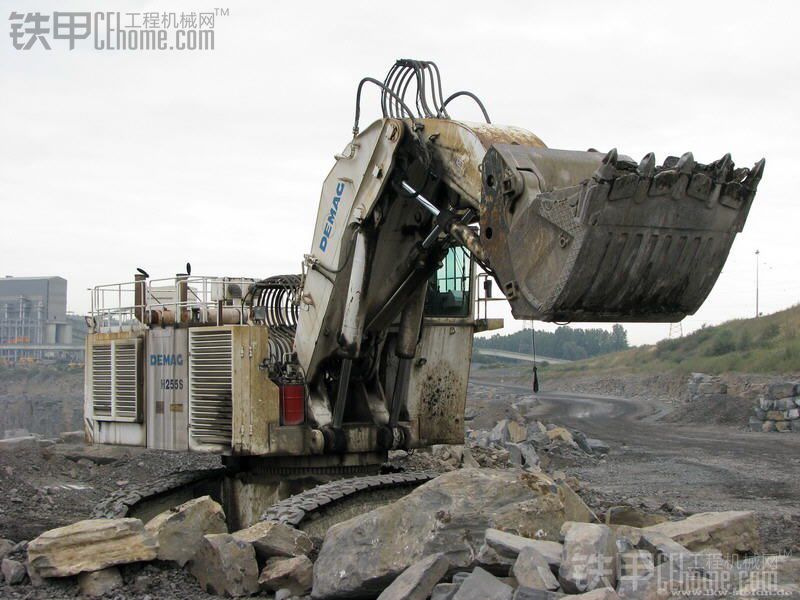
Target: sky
112,160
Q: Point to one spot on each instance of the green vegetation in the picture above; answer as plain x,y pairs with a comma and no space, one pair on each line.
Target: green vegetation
769,344
564,342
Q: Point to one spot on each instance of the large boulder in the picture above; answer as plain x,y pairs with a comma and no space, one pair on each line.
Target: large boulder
589,561
450,515
225,566
732,532
180,530
91,545
418,580
275,539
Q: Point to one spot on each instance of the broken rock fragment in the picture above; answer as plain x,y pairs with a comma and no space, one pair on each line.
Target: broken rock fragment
294,574
13,571
532,570
445,591
731,532
91,545
180,530
98,583
559,433
510,545
418,580
225,566
589,560
526,593
482,585
275,539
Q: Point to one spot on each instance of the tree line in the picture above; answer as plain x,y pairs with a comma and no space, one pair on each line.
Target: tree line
565,342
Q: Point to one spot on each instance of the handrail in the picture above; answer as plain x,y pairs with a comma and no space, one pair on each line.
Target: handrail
114,307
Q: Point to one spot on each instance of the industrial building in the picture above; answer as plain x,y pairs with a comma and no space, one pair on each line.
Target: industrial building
34,323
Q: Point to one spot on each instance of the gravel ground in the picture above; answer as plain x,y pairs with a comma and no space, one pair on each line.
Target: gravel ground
655,462
661,467
58,485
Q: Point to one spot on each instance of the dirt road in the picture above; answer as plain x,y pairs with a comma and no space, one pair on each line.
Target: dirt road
698,468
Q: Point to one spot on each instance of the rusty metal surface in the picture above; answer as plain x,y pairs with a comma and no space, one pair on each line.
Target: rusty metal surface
460,147
437,389
579,236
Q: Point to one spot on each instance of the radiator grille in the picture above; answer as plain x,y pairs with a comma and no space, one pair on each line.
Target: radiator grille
211,385
126,397
115,380
102,375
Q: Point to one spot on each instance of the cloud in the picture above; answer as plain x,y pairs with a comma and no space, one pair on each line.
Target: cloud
115,160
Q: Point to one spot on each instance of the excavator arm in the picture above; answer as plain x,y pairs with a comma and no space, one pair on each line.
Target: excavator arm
567,235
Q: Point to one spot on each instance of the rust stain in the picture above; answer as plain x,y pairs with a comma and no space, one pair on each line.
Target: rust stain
441,391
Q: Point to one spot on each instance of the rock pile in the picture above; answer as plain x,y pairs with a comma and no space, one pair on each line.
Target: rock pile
526,444
268,557
404,551
702,385
469,534
778,409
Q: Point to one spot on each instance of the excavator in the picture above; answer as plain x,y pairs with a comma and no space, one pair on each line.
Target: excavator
301,381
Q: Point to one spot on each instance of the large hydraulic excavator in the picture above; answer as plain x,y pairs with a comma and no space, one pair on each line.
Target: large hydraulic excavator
368,349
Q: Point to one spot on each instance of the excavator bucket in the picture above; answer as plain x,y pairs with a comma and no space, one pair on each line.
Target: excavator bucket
582,236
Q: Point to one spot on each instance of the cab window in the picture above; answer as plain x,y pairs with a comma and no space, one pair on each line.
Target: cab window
449,289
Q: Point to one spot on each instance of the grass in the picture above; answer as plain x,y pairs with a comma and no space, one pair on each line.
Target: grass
769,344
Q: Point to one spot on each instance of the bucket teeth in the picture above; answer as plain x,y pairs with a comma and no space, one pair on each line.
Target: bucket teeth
645,171
685,164
751,181
606,171
684,168
647,167
608,238
723,168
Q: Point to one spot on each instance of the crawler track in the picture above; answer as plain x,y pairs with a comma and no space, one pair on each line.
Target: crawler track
119,504
293,510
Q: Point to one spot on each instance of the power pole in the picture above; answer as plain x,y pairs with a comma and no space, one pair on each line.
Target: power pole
757,261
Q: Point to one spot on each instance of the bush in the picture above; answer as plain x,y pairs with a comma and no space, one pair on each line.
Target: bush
723,343
770,332
745,340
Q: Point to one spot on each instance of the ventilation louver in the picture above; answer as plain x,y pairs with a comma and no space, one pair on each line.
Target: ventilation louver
115,381
211,386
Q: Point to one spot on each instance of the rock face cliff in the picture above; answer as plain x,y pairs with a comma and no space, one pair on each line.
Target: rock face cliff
41,399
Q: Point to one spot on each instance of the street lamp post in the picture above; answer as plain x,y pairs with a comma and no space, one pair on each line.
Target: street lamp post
757,261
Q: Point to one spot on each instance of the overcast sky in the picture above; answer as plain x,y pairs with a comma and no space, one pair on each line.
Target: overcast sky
113,160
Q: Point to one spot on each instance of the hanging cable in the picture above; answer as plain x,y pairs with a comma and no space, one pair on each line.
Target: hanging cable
535,370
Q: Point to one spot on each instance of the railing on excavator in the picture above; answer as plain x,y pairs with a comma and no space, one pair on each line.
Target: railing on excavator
190,299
